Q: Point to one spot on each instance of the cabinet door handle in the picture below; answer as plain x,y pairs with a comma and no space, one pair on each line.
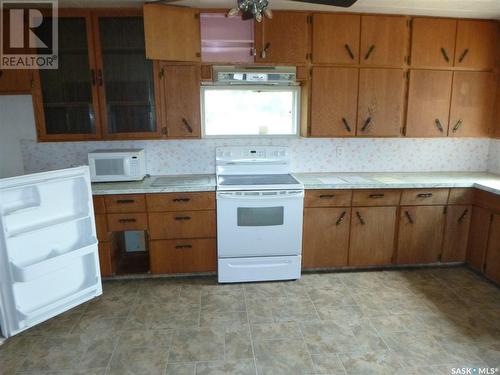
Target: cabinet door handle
464,214
457,126
374,196
183,218
369,52
424,195
341,218
408,216
186,124
127,220
327,196
346,124
263,54
164,130
99,77
438,125
181,200
124,201
462,56
361,221
349,51
445,55
183,246
366,124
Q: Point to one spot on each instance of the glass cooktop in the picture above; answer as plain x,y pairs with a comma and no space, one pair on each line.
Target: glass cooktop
257,179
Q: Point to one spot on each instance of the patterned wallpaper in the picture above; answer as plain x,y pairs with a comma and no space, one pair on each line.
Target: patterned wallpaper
494,156
308,155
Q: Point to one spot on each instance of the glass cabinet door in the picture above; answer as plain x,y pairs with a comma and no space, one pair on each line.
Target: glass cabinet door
125,78
68,99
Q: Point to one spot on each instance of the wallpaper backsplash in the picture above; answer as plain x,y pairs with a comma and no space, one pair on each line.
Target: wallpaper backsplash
494,156
308,155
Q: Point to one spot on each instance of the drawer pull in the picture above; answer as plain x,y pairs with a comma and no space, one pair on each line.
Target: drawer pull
408,216
341,218
127,220
122,201
361,221
424,195
183,218
181,200
183,246
327,196
464,214
377,196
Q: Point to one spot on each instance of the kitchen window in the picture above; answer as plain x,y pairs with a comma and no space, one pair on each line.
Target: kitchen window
250,111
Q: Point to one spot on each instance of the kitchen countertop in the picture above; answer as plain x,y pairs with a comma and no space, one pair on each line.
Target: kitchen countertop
382,180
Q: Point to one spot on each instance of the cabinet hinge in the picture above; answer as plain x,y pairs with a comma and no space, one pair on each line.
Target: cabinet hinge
407,75
309,19
197,15
403,130
445,210
409,23
491,218
161,73
440,257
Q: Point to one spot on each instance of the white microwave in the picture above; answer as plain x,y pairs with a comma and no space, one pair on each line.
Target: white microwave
117,165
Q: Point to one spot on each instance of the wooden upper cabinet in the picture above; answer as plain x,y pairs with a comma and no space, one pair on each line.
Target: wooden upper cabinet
428,103
472,104
384,40
334,101
478,239
477,43
433,42
16,81
172,33
492,261
282,39
180,100
456,233
380,102
335,38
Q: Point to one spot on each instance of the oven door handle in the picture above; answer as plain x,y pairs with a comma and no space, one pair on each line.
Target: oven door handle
291,194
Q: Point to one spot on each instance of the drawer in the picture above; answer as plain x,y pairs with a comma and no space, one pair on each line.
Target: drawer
327,198
125,203
101,227
183,256
461,196
99,207
182,224
377,197
180,202
423,197
487,200
122,222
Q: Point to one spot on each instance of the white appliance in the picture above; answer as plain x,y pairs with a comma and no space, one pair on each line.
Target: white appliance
259,215
48,247
117,165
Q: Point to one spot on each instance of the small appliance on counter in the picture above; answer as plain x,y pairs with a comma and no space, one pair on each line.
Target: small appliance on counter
117,165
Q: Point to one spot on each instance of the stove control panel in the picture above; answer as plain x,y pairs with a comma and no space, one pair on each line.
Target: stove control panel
249,154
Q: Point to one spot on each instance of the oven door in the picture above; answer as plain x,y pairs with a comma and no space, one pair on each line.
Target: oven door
259,223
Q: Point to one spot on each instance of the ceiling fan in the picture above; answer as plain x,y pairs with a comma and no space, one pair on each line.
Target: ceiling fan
249,9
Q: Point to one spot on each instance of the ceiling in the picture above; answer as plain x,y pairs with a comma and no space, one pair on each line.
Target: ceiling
450,8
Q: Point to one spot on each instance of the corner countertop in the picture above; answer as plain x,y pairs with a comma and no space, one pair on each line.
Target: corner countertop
338,180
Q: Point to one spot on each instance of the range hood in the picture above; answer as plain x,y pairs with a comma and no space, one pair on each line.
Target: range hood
254,75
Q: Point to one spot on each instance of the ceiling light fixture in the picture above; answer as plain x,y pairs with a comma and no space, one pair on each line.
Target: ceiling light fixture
251,9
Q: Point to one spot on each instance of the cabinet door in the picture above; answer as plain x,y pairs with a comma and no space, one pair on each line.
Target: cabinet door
372,236
380,102
433,42
66,104
172,33
325,237
428,103
180,100
478,237
383,40
420,234
456,233
472,104
476,44
125,77
492,262
15,81
335,38
282,39
334,101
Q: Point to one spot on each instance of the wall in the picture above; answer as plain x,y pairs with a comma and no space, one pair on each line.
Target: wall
16,123
494,156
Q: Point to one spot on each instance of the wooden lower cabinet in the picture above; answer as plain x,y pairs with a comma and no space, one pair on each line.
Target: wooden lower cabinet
420,235
183,256
478,238
456,233
107,258
492,259
372,236
325,237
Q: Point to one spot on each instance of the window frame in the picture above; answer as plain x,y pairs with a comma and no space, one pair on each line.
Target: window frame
296,116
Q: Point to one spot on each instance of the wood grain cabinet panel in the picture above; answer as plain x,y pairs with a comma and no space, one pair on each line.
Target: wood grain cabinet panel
16,81
183,256
172,33
327,198
335,38
101,227
105,259
418,197
380,102
99,205
433,42
464,196
372,236
125,203
429,99
492,262
282,39
478,238
477,43
180,202
420,235
472,104
383,40
182,224
377,197
456,233
334,101
325,237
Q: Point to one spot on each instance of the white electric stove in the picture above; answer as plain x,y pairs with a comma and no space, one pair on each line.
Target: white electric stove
259,215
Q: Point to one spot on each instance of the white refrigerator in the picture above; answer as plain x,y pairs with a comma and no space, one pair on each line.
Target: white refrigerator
48,247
